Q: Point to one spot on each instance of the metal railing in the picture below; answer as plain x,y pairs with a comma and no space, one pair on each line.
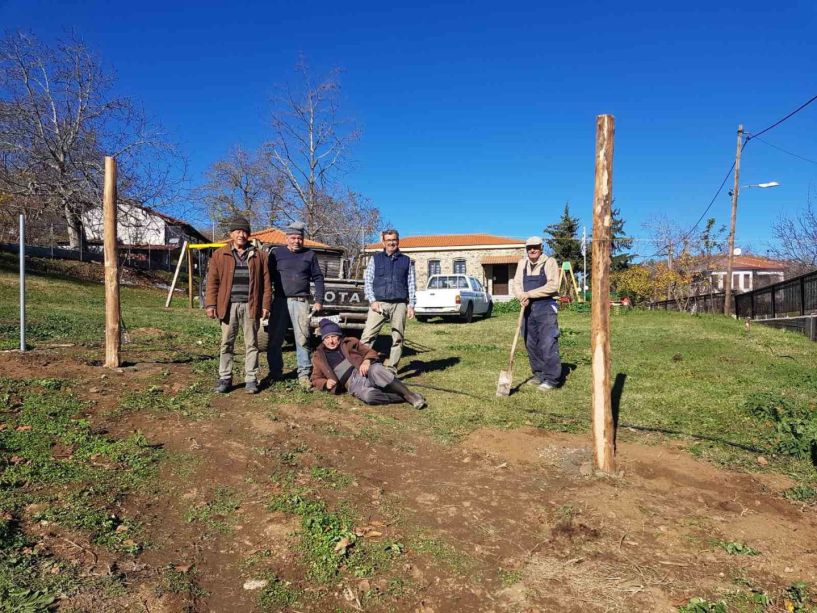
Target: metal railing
703,303
794,297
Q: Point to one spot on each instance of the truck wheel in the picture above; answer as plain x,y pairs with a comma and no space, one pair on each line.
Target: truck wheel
468,317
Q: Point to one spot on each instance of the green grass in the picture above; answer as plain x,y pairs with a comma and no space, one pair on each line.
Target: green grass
687,377
58,470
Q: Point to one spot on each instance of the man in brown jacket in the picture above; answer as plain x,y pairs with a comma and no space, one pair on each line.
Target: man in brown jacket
345,364
238,295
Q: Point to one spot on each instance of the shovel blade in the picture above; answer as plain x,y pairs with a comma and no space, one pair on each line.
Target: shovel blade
503,388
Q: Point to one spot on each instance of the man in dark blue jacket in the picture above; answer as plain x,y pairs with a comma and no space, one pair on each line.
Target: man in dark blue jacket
292,267
390,288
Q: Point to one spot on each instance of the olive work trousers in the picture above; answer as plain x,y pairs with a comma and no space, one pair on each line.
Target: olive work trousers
395,314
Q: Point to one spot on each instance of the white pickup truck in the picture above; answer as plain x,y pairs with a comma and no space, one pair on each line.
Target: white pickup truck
460,296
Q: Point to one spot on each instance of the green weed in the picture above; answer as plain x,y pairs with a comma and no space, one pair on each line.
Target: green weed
794,424
701,605
218,515
330,477
277,594
322,531
736,548
801,493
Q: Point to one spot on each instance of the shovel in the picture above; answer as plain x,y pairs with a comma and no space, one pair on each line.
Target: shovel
503,388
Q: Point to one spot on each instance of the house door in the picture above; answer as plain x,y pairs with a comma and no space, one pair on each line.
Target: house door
500,280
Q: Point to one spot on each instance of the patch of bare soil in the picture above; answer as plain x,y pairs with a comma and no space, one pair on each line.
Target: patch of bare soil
504,521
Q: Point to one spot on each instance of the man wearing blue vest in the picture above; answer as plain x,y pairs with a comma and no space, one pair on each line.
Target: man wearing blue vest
390,288
536,285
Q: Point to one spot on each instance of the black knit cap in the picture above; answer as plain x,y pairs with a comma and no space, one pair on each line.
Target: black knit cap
238,223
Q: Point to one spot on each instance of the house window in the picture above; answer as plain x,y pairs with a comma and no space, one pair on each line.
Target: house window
434,267
459,267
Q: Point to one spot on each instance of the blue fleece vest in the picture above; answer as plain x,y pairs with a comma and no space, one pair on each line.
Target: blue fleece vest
391,277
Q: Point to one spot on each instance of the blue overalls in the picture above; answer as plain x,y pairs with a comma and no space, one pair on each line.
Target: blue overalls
541,330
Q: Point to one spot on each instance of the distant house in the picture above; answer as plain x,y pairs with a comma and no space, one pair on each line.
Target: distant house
491,259
330,258
748,272
146,236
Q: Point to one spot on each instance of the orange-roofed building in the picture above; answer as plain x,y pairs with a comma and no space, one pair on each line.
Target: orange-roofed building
748,272
491,259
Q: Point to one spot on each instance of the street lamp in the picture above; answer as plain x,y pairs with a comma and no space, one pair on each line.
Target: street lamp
727,296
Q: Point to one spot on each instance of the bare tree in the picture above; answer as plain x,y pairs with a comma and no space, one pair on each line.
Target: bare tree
59,118
243,183
348,222
309,147
796,240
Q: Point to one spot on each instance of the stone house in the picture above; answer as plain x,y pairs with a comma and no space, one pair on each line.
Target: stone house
491,259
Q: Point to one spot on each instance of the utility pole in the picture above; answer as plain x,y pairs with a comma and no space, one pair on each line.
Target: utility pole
727,296
584,268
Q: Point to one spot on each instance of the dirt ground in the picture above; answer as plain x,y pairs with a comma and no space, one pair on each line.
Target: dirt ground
500,521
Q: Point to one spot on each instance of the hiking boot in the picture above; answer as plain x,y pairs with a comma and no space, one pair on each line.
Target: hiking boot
305,383
534,381
251,387
546,387
223,386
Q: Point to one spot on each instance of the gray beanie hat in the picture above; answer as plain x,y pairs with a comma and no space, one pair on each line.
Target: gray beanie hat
296,227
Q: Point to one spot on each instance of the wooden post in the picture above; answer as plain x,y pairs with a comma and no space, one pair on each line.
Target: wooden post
189,278
112,320
603,435
730,257
176,275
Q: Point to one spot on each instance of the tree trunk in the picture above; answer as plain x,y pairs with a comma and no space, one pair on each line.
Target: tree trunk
76,232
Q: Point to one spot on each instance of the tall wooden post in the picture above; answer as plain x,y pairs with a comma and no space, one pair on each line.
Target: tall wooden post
112,322
603,441
730,257
189,278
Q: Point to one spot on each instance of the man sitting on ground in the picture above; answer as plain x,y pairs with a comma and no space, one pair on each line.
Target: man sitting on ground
345,364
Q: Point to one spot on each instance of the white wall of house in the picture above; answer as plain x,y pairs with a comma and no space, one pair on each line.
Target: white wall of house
135,226
747,280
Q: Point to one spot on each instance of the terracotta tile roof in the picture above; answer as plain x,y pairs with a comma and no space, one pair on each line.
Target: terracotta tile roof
751,262
451,240
501,259
273,236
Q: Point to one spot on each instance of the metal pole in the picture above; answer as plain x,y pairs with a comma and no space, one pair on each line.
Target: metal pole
584,269
727,296
22,237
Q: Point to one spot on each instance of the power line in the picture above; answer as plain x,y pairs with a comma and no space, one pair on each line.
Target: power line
732,167
778,122
799,157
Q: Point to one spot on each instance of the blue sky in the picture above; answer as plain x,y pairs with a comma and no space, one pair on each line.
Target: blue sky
480,116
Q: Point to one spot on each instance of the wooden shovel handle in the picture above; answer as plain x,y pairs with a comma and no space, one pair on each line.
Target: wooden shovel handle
516,337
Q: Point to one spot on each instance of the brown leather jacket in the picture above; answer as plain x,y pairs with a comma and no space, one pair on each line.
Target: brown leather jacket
352,349
220,282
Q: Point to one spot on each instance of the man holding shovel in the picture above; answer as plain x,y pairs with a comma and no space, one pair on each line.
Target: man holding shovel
536,285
